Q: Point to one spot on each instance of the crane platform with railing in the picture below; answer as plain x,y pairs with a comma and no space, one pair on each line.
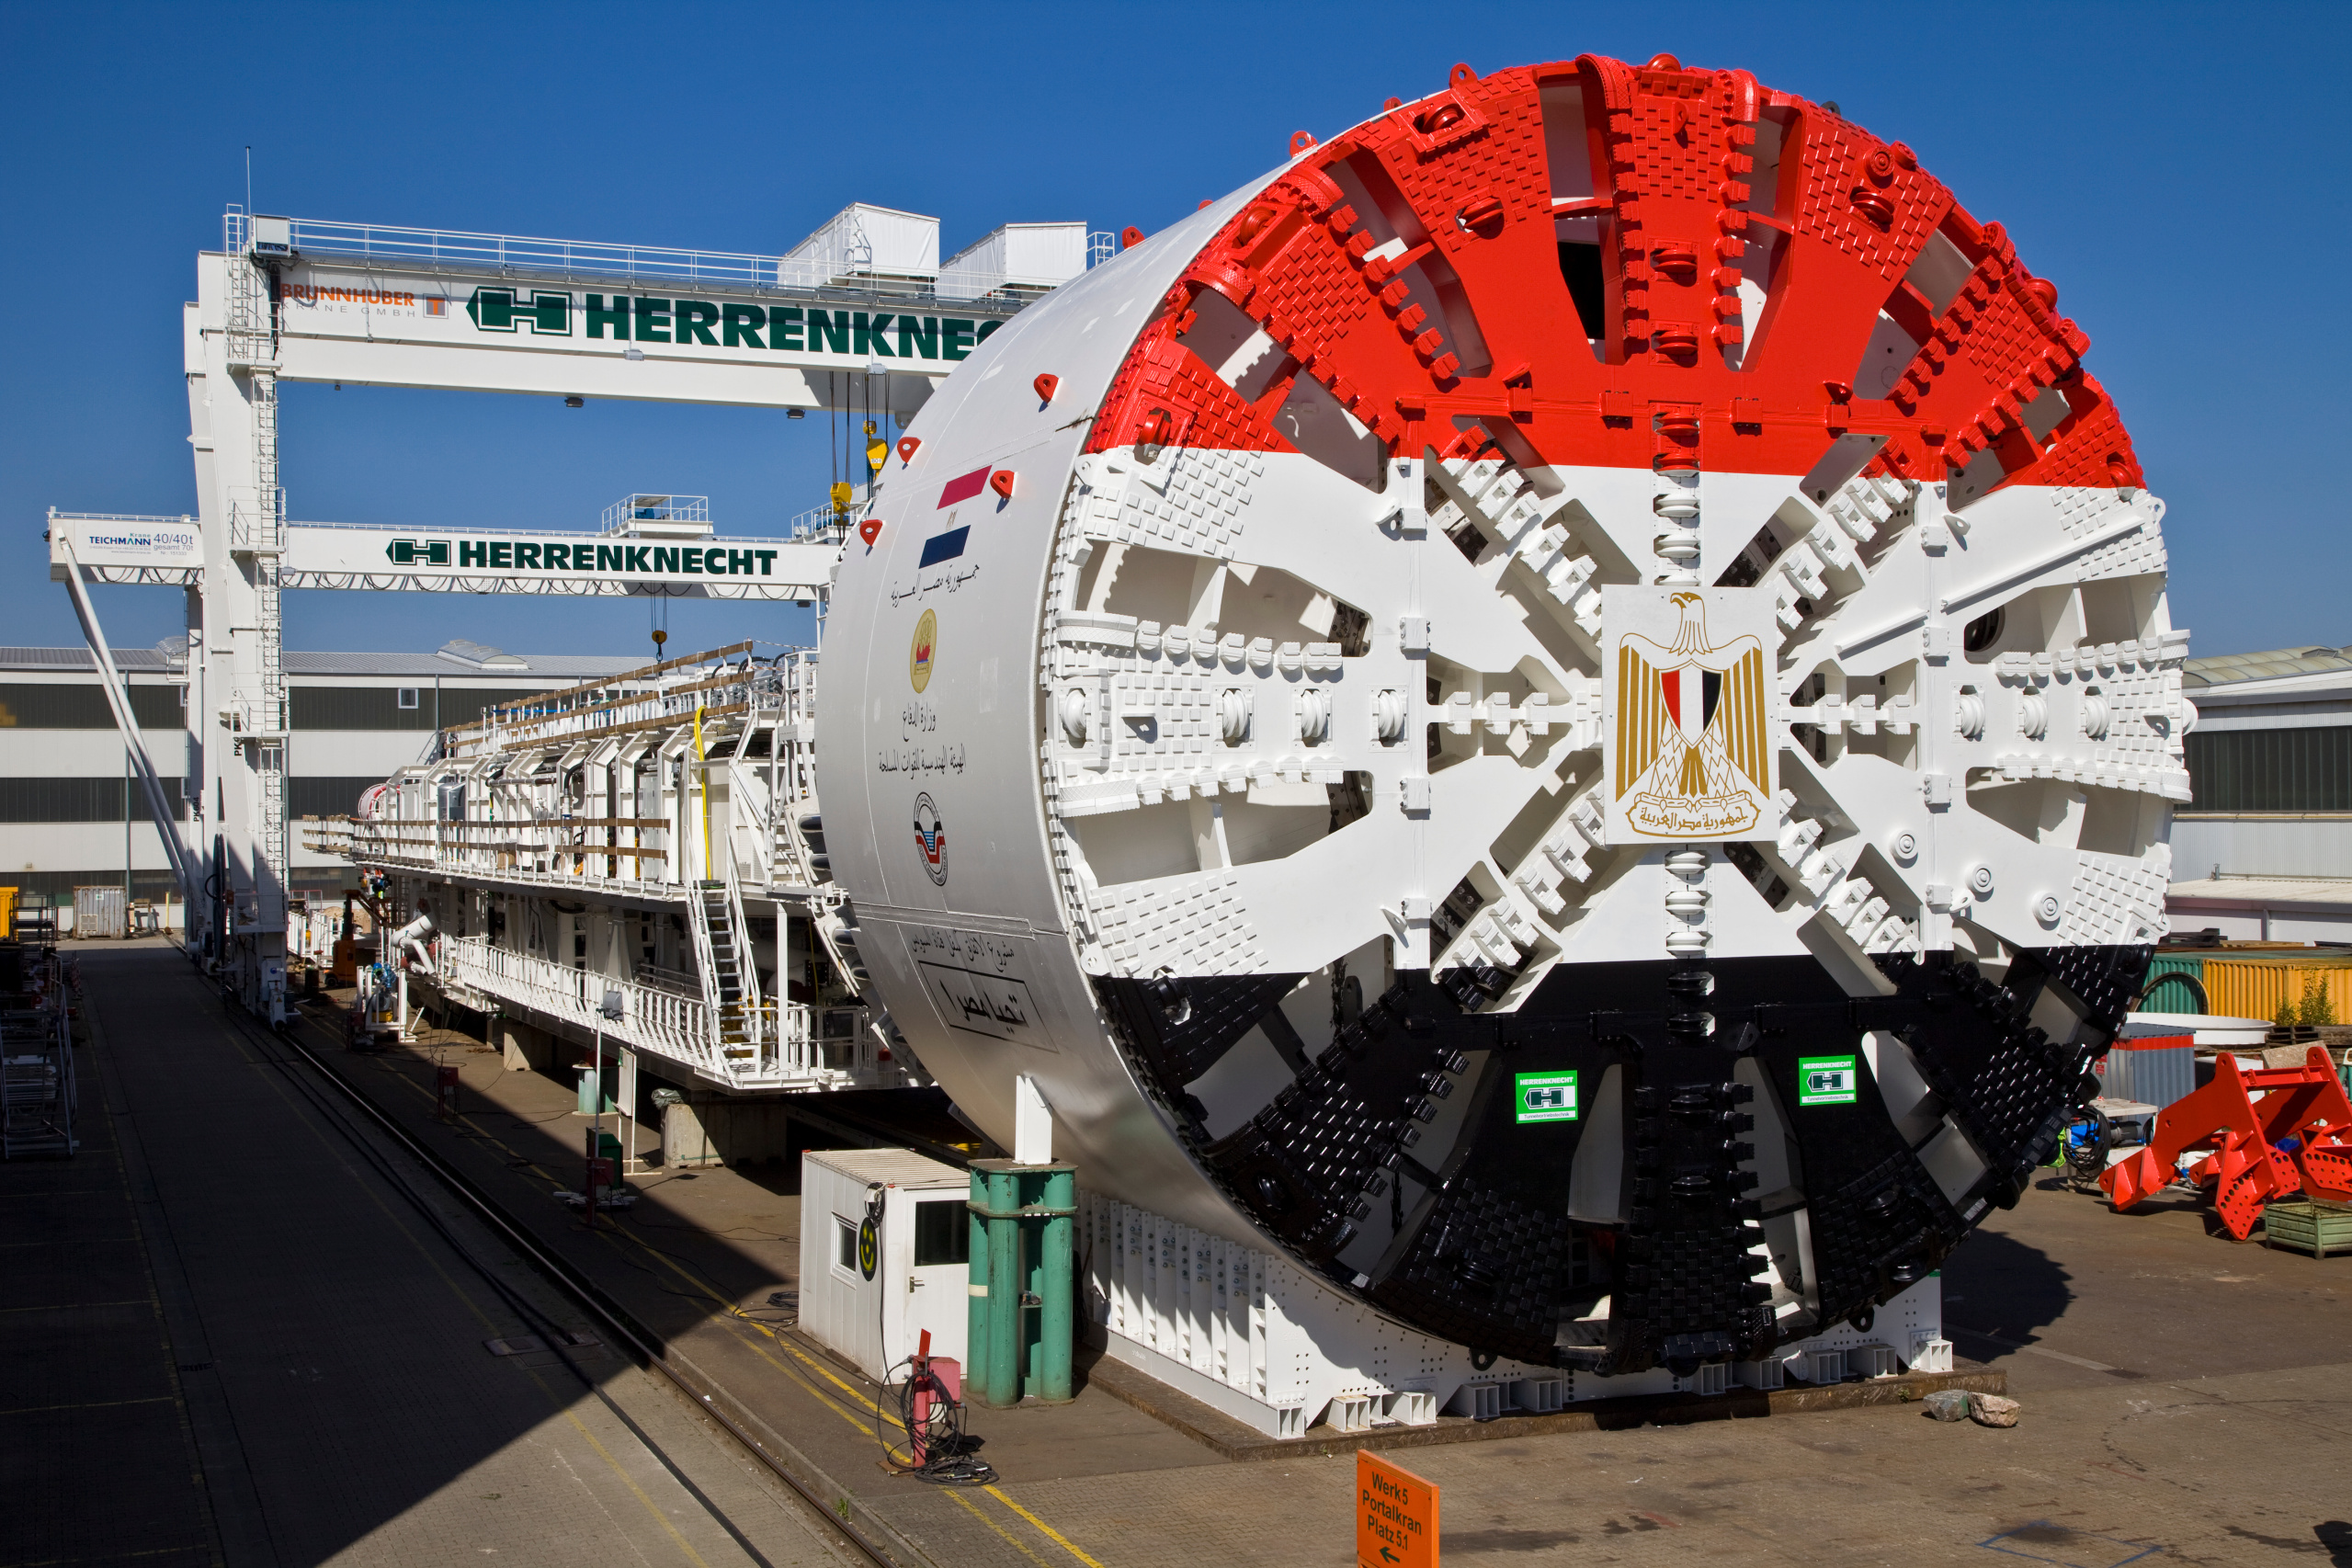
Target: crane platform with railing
862,318
639,856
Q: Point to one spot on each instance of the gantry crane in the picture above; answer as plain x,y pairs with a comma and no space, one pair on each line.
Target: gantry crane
859,319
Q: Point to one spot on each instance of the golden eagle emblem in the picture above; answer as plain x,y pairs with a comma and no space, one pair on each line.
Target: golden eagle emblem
1693,756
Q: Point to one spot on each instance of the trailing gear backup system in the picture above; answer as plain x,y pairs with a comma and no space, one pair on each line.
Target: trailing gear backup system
1550,733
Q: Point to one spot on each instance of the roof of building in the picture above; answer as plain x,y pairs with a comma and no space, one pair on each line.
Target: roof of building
2266,891
456,660
2277,664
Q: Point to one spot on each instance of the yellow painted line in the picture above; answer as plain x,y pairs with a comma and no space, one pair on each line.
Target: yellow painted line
735,1316
94,1405
112,1557
483,1318
709,1291
80,1306
1054,1535
683,1544
993,1525
368,1190
798,1354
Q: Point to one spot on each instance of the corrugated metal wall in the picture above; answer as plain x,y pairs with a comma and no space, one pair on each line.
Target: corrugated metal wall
2270,770
2254,987
79,800
31,705
2172,997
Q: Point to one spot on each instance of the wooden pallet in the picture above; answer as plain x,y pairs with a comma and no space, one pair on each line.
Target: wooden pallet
2318,1229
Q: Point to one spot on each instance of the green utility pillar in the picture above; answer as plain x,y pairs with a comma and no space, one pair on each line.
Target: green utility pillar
595,1097
1024,1296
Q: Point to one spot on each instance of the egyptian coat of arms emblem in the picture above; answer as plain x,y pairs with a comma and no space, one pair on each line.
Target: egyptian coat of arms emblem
1690,739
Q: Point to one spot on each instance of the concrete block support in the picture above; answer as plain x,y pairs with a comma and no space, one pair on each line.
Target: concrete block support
712,1130
526,1049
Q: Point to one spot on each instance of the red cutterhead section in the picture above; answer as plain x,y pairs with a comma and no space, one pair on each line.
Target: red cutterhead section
1613,264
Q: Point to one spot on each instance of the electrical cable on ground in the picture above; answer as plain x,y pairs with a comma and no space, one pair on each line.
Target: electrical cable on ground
938,1451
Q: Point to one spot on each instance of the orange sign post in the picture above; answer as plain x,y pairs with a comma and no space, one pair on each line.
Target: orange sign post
1396,1516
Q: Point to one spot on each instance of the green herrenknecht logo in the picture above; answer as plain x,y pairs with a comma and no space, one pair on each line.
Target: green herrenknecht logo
1828,1080
788,329
585,560
1545,1096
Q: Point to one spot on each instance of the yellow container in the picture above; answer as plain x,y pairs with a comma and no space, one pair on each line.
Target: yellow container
7,912
2255,988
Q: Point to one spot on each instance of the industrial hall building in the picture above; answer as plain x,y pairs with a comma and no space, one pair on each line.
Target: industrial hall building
2263,850
72,816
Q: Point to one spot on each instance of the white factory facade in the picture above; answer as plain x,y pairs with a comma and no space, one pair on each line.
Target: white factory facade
2262,850
356,719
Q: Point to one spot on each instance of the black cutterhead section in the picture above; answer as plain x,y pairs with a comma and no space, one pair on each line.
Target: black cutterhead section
2100,982
1326,1141
2000,1076
1486,1270
1178,1028
1491,1256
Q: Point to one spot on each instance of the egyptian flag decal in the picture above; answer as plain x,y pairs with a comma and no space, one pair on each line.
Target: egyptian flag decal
963,487
948,543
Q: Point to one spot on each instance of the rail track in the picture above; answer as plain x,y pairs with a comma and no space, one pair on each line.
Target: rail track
312,1076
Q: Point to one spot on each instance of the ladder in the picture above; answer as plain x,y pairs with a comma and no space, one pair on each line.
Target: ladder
730,978
257,533
263,543
251,336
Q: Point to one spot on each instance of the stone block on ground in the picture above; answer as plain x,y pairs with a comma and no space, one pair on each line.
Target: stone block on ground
1992,1410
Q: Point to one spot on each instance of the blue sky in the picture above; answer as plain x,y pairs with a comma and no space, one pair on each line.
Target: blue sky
2169,166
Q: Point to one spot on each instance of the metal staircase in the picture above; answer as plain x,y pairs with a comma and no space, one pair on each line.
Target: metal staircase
730,978
795,859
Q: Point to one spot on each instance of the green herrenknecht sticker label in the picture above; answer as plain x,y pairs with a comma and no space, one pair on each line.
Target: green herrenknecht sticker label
1546,1097
1828,1080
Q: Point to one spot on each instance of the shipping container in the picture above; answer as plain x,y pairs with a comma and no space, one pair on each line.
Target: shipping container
2171,995
862,244
2254,986
99,912
2156,1070
1022,257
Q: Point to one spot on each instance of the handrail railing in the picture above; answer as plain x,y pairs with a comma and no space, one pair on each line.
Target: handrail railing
500,799
455,250
501,848
827,519
655,1021
658,1022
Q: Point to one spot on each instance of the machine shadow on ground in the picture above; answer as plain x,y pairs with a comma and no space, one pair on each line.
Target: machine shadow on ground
328,1309
1995,1283
347,1339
